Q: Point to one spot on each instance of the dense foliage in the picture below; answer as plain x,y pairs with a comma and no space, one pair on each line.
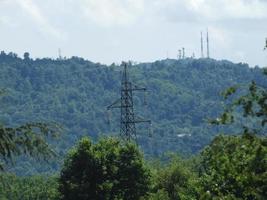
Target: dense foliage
235,167
231,167
175,179
74,92
25,188
106,170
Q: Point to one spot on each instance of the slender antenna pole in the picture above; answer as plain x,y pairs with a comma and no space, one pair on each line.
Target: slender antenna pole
59,54
201,43
208,48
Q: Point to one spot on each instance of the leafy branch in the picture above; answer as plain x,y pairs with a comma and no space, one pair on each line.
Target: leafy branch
28,139
252,104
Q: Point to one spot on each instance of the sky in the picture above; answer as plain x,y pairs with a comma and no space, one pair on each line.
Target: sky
108,31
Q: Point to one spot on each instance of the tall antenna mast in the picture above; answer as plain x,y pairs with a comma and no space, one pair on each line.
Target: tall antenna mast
201,42
208,47
179,54
183,52
59,54
125,103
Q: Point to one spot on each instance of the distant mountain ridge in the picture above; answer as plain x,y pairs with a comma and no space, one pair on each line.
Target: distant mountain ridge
74,92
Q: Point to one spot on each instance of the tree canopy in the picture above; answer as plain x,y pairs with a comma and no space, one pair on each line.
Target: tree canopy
108,169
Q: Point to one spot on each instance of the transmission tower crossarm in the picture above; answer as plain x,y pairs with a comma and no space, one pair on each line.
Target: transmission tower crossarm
141,120
136,88
115,104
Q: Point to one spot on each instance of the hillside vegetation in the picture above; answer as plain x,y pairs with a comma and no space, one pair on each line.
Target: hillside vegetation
183,95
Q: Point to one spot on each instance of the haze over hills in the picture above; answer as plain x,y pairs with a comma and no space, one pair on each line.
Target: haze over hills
75,92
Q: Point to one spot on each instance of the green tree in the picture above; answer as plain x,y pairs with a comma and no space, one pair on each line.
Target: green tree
133,176
106,170
25,188
29,139
176,180
235,167
26,56
159,195
252,105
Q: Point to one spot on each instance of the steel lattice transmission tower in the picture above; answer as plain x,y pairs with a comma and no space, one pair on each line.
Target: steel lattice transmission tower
126,105
201,45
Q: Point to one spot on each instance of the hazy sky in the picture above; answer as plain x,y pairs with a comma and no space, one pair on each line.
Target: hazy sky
109,31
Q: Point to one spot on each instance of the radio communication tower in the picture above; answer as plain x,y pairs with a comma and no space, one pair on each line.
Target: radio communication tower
126,105
208,45
59,54
201,43
179,54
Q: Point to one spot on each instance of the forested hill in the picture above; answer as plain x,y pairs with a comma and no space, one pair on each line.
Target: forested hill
75,92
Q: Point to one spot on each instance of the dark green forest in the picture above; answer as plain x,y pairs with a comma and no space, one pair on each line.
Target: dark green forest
231,167
207,141
182,96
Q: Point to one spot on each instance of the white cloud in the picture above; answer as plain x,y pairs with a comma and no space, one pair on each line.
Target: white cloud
208,10
8,22
113,12
225,9
4,20
36,15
